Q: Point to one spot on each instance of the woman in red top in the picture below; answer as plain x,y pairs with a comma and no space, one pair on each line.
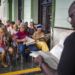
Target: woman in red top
21,37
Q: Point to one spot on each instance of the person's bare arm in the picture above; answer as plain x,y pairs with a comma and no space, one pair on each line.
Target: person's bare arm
21,40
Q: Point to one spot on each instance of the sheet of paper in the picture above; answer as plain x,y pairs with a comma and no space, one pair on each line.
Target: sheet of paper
49,59
34,54
29,41
56,51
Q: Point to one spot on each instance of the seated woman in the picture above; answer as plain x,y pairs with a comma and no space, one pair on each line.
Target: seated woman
18,22
10,28
11,43
21,38
3,48
38,36
31,29
14,31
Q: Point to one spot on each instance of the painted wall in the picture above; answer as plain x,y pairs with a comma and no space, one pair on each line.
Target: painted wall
29,13
31,10
27,10
4,10
34,13
61,13
14,10
0,13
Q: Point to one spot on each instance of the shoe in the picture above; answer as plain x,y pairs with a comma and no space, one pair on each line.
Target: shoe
4,65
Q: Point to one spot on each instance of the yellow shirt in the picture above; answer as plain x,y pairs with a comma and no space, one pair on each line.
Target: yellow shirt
38,36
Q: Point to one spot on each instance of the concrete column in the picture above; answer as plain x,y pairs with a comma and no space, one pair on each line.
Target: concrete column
14,10
27,10
4,10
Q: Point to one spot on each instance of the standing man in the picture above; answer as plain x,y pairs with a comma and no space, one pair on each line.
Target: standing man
67,61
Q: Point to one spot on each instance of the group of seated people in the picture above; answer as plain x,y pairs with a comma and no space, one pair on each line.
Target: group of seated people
12,38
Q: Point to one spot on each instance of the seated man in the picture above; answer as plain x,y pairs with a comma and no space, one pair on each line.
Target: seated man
38,36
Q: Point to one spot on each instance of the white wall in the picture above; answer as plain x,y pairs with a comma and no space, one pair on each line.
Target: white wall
14,10
61,13
4,12
0,12
35,11
27,10
31,10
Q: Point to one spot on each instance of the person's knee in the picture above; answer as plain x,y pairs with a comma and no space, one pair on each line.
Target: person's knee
3,52
11,50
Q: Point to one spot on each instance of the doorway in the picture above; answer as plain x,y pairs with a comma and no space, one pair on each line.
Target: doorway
44,13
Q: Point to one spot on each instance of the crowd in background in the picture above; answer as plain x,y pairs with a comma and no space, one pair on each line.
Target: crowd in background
12,38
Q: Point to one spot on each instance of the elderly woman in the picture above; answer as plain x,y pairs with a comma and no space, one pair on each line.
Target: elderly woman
21,38
38,36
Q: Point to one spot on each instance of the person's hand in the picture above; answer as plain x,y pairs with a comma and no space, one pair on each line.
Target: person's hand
39,60
14,37
23,40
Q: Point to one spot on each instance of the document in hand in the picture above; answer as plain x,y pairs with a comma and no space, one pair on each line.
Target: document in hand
29,41
51,58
